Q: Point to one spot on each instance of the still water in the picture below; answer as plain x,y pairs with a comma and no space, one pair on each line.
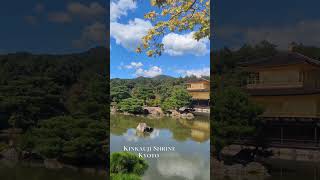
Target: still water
293,170
286,170
191,139
19,172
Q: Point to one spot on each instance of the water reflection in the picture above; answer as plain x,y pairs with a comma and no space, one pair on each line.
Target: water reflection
182,130
22,172
176,165
191,139
293,170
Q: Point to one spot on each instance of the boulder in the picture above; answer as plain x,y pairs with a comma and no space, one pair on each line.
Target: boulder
190,116
183,116
10,154
142,127
52,164
252,171
113,110
175,114
30,156
154,111
255,168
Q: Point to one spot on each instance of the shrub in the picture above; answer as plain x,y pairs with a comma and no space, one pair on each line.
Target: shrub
179,98
124,177
131,105
127,163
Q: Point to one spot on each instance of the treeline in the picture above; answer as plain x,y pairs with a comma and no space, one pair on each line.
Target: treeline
130,95
233,114
59,102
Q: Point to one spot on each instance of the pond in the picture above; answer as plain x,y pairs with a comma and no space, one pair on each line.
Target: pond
191,139
293,170
285,170
21,172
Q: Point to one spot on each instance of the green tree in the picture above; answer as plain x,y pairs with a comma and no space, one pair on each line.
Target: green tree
233,116
90,100
118,93
179,98
127,163
143,92
124,177
70,140
131,105
26,100
175,16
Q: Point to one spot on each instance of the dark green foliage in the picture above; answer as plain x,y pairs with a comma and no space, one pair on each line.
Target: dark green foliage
89,98
119,93
28,99
36,87
310,51
131,105
60,102
233,116
179,98
127,163
144,93
70,140
124,177
164,91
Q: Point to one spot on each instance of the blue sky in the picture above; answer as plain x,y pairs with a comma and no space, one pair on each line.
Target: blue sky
46,26
183,55
278,21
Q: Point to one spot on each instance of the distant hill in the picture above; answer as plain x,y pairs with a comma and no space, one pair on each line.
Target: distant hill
159,77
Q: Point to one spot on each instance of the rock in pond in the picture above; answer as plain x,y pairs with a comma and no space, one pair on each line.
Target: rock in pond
142,127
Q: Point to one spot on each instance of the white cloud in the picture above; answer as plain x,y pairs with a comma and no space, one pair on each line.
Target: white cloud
306,32
94,33
195,72
151,72
139,70
121,8
180,44
131,136
134,65
94,9
129,35
59,17
187,167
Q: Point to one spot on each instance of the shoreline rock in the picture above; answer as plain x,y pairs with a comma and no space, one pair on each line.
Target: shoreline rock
52,164
251,171
157,112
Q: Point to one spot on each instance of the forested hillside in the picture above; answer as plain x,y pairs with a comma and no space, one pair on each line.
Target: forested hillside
59,102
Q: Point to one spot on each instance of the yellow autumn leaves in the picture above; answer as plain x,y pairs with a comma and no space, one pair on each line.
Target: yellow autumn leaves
175,16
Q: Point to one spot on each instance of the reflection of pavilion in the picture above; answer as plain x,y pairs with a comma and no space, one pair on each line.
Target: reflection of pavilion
200,130
199,136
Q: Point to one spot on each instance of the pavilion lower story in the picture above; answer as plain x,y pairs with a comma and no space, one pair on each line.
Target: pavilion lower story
289,133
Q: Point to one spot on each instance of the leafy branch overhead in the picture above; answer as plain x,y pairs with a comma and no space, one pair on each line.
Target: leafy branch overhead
175,16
